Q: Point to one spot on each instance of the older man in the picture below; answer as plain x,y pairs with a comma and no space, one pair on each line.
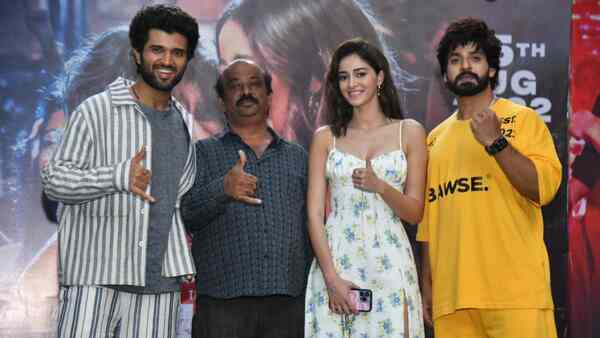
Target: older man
247,213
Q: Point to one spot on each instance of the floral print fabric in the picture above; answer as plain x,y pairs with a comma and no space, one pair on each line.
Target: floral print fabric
370,248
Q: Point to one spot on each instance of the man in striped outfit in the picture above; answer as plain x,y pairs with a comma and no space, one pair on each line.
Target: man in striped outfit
124,162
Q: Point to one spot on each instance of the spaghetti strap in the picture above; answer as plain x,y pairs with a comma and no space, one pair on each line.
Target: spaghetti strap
351,230
331,145
400,134
332,141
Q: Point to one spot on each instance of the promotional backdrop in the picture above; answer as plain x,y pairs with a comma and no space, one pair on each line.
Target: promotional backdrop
56,53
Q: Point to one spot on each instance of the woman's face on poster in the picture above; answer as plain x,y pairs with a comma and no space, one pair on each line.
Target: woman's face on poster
233,44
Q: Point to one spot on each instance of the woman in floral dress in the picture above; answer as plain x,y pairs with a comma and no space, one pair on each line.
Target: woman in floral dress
373,164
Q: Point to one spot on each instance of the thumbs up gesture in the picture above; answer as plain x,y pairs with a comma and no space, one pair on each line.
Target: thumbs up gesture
240,185
139,177
366,179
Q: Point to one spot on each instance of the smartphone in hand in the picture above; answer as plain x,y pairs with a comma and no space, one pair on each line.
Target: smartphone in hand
362,298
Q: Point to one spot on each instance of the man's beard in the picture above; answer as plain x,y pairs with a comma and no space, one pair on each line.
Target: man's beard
153,81
468,88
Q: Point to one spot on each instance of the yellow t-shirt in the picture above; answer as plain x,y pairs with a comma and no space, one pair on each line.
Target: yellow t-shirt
485,239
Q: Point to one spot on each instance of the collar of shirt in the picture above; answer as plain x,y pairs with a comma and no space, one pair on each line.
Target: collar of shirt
121,95
229,134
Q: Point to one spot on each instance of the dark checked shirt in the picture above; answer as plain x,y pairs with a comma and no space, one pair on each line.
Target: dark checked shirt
242,249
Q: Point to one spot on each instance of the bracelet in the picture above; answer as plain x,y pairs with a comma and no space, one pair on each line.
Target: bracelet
497,146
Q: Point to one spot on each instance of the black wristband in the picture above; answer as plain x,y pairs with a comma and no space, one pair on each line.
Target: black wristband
499,144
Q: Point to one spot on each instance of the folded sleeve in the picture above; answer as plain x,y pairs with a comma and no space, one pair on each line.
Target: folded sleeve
537,144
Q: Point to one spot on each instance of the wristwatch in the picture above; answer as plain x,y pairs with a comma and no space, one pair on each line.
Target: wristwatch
497,146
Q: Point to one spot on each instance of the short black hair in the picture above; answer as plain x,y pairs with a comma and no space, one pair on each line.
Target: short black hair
466,31
220,85
167,18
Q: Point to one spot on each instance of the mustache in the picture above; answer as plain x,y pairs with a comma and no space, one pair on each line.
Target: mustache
246,97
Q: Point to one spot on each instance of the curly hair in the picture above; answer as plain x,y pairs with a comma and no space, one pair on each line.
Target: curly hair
338,110
466,31
168,18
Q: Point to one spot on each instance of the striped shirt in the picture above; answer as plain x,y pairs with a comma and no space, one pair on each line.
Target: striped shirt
103,227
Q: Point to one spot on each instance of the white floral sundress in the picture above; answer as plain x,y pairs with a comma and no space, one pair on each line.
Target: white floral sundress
370,248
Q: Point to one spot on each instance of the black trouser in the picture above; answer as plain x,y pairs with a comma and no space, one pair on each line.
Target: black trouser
249,317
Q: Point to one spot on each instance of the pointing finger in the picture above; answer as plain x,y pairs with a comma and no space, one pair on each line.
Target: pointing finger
148,198
143,194
250,200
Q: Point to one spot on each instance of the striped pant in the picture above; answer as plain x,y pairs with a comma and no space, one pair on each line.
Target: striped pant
99,312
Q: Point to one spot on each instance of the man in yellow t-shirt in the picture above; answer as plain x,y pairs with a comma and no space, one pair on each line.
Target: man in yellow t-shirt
492,165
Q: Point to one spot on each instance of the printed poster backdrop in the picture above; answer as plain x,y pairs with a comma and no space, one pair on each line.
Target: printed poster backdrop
56,53
584,161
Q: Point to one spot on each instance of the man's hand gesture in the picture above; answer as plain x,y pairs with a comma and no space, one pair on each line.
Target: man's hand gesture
486,127
240,185
139,177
